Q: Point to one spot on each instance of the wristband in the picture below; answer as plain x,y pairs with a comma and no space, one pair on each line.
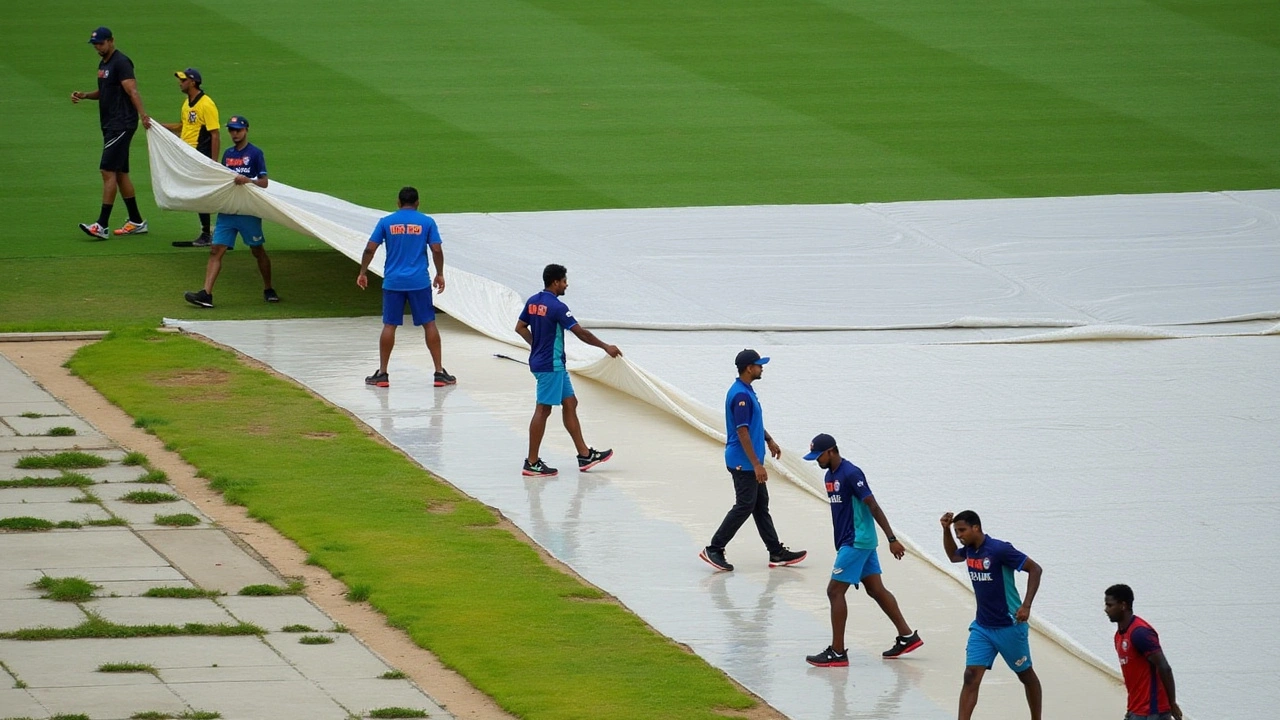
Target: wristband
893,538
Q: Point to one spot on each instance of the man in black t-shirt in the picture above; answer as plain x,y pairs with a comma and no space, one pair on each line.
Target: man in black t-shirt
119,109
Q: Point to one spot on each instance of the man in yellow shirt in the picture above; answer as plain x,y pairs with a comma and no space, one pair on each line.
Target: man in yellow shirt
199,129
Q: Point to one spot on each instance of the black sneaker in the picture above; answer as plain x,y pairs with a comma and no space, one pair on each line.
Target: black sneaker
538,469
715,558
204,239
270,295
443,378
593,458
903,645
786,557
829,658
378,379
199,298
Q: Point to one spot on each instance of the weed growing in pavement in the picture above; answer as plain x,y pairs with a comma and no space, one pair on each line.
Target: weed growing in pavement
66,589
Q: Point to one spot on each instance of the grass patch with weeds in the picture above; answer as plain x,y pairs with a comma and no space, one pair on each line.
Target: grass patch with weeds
397,712
134,458
125,667
33,415
68,524
199,715
95,627
178,520
154,476
18,684
295,587
61,431
25,523
88,497
69,716
359,592
67,460
181,593
297,628
338,628
584,659
66,589
112,521
63,480
393,675
315,640
148,497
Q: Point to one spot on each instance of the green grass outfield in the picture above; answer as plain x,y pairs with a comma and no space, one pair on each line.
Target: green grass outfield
498,105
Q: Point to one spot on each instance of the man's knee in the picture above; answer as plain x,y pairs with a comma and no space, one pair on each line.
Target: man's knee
972,676
1028,677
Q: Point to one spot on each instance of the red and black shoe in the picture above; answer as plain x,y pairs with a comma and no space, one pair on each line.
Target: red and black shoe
903,644
829,658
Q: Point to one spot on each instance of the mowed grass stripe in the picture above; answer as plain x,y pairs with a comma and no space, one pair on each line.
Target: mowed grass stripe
541,643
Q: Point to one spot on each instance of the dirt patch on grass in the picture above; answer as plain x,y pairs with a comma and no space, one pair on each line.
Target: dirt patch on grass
193,378
440,507
320,435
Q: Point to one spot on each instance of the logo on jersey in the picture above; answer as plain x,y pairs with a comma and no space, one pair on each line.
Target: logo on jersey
104,73
1124,644
191,116
536,309
1020,661
405,229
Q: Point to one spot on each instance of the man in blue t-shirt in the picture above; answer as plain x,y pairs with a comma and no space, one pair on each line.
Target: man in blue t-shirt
746,440
854,515
407,234
1001,623
250,168
542,324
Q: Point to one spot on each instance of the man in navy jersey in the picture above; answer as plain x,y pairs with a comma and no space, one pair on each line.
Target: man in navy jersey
250,168
119,111
854,514
542,324
1147,675
746,440
1001,624
407,234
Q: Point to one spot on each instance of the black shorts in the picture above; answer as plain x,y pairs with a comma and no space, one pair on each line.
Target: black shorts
115,150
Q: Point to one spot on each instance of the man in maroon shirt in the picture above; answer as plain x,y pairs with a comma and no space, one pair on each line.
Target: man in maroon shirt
1147,675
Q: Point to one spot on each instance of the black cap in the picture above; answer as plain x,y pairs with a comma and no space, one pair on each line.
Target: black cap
820,444
749,357
100,35
237,122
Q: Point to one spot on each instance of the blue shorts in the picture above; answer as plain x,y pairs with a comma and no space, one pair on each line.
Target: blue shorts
249,227
853,564
553,387
1010,642
419,305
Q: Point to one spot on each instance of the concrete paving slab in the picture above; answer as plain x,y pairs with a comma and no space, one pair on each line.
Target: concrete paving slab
116,473
45,407
345,659
54,512
279,700
162,611
274,613
16,703
210,559
9,472
110,702
115,574
361,696
40,659
142,517
40,443
16,585
135,588
42,426
39,495
5,430
51,551
36,612
221,674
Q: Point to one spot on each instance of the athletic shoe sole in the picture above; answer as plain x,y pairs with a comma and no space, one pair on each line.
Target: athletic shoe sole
789,562
190,297
530,473
381,383
906,650
442,383
91,233
588,466
833,663
707,560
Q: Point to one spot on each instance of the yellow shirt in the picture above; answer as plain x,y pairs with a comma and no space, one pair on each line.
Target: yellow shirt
199,122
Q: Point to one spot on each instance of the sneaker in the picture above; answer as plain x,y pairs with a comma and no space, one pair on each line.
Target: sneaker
903,645
95,230
786,557
538,469
593,458
378,379
443,378
199,298
829,658
132,228
203,240
270,295
715,558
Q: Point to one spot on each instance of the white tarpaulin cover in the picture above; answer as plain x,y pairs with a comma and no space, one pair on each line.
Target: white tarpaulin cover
967,354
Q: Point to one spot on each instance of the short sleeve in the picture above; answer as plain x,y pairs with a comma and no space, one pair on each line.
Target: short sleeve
433,233
1145,640
262,163
565,317
124,70
741,409
857,482
380,234
1011,557
209,119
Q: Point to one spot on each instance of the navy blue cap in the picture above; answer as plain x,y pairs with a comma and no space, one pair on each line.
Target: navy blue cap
237,122
189,74
820,444
749,357
102,34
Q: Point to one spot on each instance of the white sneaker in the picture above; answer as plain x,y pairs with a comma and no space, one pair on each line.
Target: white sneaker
94,230
132,228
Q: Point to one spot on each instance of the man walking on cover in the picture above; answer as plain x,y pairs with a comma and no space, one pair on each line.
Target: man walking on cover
407,234
200,128
542,324
119,111
854,514
744,458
